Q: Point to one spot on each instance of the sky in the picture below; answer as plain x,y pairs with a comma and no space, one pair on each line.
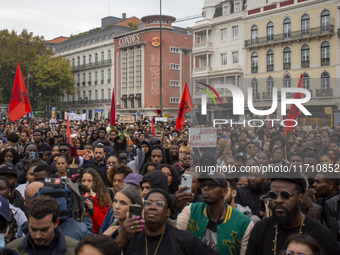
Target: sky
52,19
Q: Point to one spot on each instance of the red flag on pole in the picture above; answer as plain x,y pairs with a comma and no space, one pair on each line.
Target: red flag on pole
294,111
153,126
271,116
19,105
113,108
184,107
68,133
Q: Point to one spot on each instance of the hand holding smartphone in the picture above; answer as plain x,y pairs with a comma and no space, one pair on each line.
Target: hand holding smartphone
135,210
186,180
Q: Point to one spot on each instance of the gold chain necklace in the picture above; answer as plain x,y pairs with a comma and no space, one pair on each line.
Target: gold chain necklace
146,244
277,232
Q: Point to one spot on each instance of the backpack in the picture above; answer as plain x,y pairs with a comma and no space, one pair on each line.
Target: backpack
67,195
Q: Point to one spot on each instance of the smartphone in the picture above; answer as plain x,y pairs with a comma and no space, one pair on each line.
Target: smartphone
32,154
186,180
135,210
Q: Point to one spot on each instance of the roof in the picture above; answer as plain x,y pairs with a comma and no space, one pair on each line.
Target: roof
125,23
58,40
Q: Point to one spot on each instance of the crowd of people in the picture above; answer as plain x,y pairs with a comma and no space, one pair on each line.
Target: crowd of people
129,176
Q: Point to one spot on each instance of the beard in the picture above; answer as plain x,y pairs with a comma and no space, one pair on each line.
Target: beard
290,215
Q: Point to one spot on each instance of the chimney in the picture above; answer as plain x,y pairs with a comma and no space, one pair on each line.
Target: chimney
123,15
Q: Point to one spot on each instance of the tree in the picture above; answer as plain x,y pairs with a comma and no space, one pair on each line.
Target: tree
50,80
14,48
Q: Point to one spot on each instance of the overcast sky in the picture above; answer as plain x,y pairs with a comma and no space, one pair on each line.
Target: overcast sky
65,17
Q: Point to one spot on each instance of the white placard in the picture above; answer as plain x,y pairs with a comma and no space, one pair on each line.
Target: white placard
203,137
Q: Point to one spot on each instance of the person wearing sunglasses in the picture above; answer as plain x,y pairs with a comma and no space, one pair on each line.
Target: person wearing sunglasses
216,223
153,235
286,197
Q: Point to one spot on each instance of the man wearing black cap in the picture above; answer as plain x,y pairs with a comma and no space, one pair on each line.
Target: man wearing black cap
216,223
269,235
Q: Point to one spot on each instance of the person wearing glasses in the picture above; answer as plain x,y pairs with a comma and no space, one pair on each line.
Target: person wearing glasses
153,235
217,224
286,197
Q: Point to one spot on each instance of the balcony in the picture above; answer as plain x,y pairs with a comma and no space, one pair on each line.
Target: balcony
92,65
305,64
270,68
324,92
203,48
254,69
290,36
287,66
325,61
202,69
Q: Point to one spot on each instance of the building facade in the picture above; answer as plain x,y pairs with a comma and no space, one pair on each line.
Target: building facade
218,54
285,39
91,55
137,68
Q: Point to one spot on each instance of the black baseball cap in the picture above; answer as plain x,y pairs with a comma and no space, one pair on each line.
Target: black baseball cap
216,177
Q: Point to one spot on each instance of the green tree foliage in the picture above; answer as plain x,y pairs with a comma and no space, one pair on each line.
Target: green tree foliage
14,48
43,73
51,78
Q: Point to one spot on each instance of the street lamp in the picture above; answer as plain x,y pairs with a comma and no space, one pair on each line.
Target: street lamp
160,59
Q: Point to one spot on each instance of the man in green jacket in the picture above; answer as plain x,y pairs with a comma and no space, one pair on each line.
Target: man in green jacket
45,237
216,223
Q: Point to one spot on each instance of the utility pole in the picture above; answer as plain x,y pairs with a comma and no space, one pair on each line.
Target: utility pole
160,59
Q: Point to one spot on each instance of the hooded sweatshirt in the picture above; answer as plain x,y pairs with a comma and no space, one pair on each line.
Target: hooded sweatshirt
156,179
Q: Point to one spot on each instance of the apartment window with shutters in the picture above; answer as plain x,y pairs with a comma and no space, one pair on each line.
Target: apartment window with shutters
235,31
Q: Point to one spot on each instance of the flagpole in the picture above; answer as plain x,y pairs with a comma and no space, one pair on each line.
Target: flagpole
195,116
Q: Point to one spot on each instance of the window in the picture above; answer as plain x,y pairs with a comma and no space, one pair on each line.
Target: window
270,31
124,101
102,56
90,95
287,28
96,94
305,56
224,59
174,66
255,88
109,76
78,79
102,94
139,100
174,83
223,34
84,60
96,58
90,59
254,34
73,62
84,78
325,17
325,82
237,7
235,57
270,85
305,24
102,77
287,81
95,78
90,78
132,101
226,10
325,60
305,81
174,100
78,61
270,61
109,95
84,95
254,62
109,54
235,31
287,58
174,49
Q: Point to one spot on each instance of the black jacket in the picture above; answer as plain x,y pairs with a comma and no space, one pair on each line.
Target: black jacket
331,215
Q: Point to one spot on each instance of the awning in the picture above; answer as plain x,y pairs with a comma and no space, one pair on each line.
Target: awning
124,97
131,97
138,96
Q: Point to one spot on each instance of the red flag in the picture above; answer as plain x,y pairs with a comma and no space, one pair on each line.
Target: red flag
113,108
294,111
19,105
153,126
271,116
184,107
68,133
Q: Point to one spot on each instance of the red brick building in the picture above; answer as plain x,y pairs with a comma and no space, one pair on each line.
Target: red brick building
137,72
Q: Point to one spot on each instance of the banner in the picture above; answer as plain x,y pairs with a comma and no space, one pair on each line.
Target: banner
126,119
75,117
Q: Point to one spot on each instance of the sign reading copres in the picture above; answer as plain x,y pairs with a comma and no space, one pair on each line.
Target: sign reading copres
129,39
